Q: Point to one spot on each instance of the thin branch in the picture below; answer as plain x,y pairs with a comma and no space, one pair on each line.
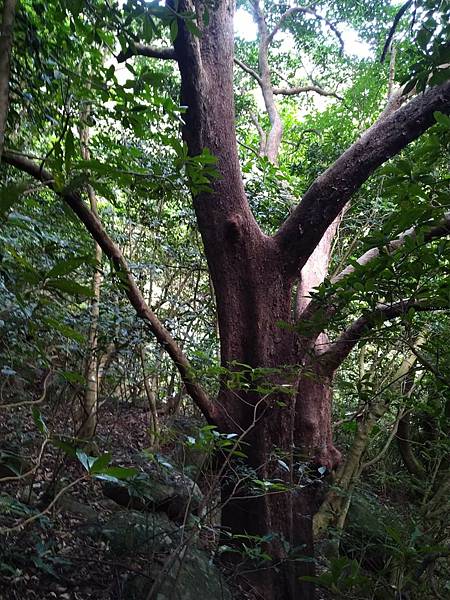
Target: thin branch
23,524
441,230
248,70
32,470
392,70
338,351
294,91
110,248
391,33
292,12
401,413
30,402
262,134
330,192
428,365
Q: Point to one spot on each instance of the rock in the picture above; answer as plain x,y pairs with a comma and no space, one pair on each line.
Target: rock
190,577
366,535
130,532
70,504
156,489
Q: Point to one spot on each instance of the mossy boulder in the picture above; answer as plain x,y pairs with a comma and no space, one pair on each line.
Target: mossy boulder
190,576
130,532
157,489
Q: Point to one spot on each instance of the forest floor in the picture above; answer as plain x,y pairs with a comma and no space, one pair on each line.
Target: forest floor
53,557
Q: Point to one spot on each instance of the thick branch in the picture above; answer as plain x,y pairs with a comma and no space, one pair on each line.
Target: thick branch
329,193
150,51
6,33
294,91
95,228
292,12
338,351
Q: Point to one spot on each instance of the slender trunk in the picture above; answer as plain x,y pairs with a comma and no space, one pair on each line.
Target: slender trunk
272,140
87,424
333,510
411,462
151,398
104,364
6,40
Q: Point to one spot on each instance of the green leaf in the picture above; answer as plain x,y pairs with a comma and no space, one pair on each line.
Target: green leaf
192,28
119,472
442,119
173,30
39,421
101,463
65,330
68,448
69,287
85,460
9,195
69,150
73,377
67,266
75,7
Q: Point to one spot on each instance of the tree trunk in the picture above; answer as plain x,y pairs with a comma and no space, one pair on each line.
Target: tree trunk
6,39
254,294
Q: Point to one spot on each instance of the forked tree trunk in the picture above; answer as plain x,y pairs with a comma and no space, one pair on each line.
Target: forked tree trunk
254,294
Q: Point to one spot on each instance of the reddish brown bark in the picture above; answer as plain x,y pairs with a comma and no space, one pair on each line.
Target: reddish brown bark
254,278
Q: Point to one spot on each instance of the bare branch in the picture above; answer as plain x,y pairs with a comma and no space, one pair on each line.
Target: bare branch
150,51
434,233
273,139
292,12
294,91
428,365
40,400
248,70
391,33
95,228
331,191
400,414
261,133
338,351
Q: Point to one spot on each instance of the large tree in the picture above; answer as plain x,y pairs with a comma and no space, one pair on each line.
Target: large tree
269,324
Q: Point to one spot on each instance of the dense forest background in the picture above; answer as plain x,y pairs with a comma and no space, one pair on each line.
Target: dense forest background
147,366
